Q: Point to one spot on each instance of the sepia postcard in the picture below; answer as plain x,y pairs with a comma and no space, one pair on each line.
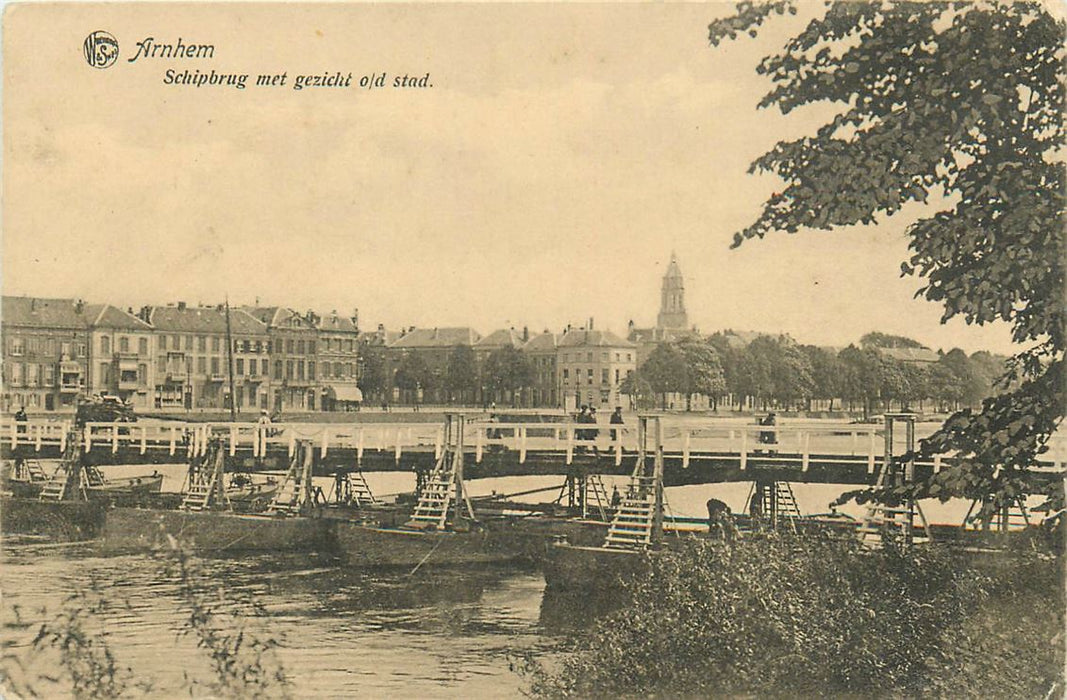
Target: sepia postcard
532,349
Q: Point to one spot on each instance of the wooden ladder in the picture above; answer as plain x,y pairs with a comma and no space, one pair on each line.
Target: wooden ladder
1015,516
444,482
206,487
638,519
595,499
895,521
294,496
68,482
351,488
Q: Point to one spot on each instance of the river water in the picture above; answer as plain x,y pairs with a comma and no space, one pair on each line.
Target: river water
340,633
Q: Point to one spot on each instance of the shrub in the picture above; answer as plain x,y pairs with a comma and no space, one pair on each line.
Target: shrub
782,616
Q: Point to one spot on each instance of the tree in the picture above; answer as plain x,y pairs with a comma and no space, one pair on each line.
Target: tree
637,387
666,371
372,378
704,373
826,373
507,370
885,340
461,373
958,106
413,374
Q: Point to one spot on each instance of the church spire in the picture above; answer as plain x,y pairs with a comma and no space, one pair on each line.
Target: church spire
672,300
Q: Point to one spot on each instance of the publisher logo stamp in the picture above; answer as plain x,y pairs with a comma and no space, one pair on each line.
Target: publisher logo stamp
101,49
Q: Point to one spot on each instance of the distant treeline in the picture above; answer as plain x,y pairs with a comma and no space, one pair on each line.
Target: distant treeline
777,372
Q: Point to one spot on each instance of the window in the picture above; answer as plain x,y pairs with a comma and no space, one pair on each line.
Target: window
105,373
189,342
201,365
311,371
603,357
277,369
311,347
142,375
269,346
627,357
299,369
124,344
289,346
64,350
216,343
289,368
240,367
589,357
161,364
31,346
300,347
252,366
338,369
142,346
176,342
589,375
265,366
566,374
604,375
349,347
214,365
161,342
616,376
49,375
105,345
83,350
350,370
201,343
618,356
17,347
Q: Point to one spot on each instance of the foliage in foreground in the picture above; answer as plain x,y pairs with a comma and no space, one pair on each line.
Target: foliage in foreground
786,617
958,106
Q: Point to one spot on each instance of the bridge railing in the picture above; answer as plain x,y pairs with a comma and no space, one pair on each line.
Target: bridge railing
792,444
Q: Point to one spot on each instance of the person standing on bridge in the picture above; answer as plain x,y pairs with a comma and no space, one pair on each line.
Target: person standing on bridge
616,419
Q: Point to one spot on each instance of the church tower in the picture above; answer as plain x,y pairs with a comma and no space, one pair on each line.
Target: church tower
672,301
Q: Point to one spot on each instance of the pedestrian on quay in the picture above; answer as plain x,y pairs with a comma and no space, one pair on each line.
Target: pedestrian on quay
20,417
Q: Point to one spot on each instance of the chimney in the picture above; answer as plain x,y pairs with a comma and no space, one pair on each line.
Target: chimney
525,334
33,304
79,306
381,328
631,325
355,317
590,323
434,333
181,306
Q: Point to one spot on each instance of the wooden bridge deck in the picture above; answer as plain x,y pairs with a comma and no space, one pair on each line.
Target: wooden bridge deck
694,452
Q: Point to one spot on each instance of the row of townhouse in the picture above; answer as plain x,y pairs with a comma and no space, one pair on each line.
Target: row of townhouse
175,356
577,366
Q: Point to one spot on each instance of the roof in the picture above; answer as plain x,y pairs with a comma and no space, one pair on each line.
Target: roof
108,316
501,338
578,337
436,338
276,316
204,319
546,341
911,354
44,313
672,267
339,324
660,335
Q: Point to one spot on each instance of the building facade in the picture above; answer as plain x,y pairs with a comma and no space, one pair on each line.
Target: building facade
293,357
541,350
122,356
191,361
338,360
46,353
591,366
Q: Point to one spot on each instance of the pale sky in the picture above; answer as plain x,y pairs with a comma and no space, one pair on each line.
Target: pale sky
562,153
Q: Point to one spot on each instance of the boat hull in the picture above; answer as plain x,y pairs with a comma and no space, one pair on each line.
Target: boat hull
137,529
366,546
64,521
568,567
